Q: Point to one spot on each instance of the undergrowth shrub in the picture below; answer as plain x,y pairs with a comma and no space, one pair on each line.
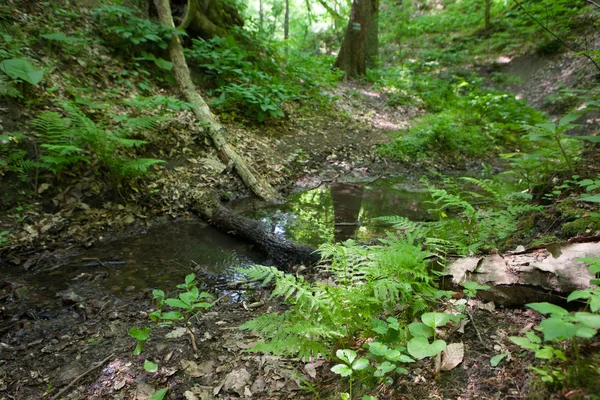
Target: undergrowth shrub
75,138
366,282
466,121
250,76
122,29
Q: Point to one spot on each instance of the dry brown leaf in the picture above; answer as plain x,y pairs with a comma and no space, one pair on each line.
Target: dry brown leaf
452,356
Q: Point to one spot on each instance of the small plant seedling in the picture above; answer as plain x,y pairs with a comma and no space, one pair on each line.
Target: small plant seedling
350,365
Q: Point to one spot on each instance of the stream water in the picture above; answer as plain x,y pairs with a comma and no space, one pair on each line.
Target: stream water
163,255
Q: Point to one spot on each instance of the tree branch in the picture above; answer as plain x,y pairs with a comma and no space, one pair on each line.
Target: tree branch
567,45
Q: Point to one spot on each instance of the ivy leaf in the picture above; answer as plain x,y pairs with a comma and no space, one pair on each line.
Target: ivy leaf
21,68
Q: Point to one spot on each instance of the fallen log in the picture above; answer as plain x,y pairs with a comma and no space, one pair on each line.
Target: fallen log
282,252
541,274
216,131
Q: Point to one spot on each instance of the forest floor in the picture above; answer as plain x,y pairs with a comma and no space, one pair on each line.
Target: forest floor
78,338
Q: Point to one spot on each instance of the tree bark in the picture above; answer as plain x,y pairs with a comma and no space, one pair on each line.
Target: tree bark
209,18
286,21
488,8
360,41
215,130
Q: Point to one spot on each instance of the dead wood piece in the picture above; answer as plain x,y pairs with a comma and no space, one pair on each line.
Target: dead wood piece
283,253
74,381
202,112
548,274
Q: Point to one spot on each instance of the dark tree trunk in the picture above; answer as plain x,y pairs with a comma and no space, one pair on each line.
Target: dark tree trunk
209,18
286,21
360,41
283,253
488,8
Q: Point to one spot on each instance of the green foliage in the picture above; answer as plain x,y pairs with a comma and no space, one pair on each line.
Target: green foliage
13,158
562,327
184,307
251,77
548,150
123,29
368,281
466,121
76,138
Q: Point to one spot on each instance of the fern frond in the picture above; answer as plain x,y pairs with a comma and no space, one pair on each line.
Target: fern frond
52,128
486,186
140,124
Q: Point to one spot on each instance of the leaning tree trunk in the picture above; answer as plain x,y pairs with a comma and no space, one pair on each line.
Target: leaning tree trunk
209,18
360,39
215,130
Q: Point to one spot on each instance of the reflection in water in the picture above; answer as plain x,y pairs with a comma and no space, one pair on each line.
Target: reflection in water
344,210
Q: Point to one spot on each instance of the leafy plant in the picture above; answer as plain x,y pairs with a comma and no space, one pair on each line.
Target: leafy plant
123,29
187,305
77,139
368,281
562,326
350,365
21,69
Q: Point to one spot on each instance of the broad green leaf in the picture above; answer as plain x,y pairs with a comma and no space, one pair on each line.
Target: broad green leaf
585,332
384,368
379,326
546,352
177,303
435,319
171,315
419,329
360,364
593,264
163,64
555,328
159,394
593,139
59,37
378,349
547,308
579,294
420,347
494,361
567,119
588,319
592,199
189,279
342,369
401,371
346,355
139,347
21,68
533,337
524,342
150,366
369,398
547,126
188,297
140,334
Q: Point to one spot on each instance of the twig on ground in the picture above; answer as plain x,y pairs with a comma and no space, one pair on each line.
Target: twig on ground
74,381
